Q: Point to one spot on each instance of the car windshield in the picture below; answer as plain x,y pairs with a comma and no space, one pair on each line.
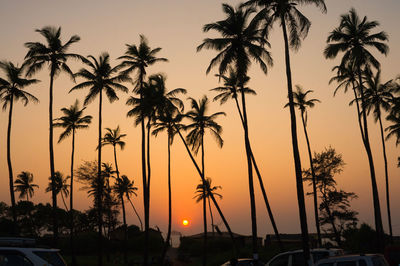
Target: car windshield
51,257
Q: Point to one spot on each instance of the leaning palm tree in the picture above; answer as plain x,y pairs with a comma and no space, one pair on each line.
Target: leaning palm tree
11,90
241,42
353,37
200,121
289,17
231,90
138,58
378,97
54,54
130,190
60,186
71,121
205,190
99,77
300,101
24,185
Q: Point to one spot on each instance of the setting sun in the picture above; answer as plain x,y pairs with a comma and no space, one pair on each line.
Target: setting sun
185,222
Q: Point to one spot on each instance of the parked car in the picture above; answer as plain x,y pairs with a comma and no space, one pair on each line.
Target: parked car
243,262
355,260
296,258
24,252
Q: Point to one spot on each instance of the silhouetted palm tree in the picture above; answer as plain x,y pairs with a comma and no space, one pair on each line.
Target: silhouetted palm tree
55,55
72,120
289,17
241,43
203,191
11,89
59,184
24,185
130,190
138,58
200,121
378,96
300,101
353,37
114,137
101,77
232,90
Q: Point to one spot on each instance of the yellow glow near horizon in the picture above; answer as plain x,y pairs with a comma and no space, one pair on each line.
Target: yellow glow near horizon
185,222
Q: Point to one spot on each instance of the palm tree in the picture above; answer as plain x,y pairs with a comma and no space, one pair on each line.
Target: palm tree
101,77
113,137
11,89
72,120
130,190
60,186
241,43
378,96
200,121
138,58
300,101
289,17
55,55
231,90
353,37
119,188
24,185
204,190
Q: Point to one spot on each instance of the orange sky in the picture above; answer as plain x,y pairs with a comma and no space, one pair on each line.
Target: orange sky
175,25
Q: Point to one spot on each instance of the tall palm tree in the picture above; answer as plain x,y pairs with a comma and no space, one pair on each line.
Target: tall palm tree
200,121
71,121
99,77
241,43
378,96
300,101
54,54
11,90
292,21
231,90
204,190
353,37
24,185
138,58
60,186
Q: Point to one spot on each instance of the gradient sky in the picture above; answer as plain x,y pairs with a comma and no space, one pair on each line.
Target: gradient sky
176,27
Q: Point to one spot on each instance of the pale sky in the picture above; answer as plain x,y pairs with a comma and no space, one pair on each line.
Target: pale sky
176,27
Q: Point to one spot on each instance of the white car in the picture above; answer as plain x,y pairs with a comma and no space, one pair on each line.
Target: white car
21,252
355,260
296,258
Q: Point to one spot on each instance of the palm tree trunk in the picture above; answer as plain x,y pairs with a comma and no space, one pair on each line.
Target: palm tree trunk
167,239
51,149
296,155
144,178
375,194
212,218
269,210
137,214
358,113
148,168
65,204
314,183
125,231
100,188
10,171
211,195
204,202
251,185
386,179
71,202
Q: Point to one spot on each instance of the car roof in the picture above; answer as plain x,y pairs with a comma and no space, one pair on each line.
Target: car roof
350,256
30,249
311,250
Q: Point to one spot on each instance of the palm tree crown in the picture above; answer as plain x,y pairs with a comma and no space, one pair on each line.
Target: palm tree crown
200,122
353,37
72,120
241,41
11,87
24,185
61,185
204,189
300,101
113,137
